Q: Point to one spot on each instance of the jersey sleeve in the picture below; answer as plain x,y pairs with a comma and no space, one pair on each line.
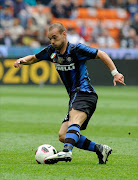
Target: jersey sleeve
44,54
84,52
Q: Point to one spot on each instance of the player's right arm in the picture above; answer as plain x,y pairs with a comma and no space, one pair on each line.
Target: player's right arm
31,59
27,60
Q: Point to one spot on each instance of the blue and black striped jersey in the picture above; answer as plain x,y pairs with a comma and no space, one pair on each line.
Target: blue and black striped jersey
71,66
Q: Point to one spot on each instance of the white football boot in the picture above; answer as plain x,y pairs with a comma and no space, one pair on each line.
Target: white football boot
102,151
60,156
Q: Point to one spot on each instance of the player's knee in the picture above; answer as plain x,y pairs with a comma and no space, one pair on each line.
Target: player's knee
61,137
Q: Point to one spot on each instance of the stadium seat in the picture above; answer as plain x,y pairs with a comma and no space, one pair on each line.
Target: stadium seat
87,13
66,22
114,33
80,2
102,13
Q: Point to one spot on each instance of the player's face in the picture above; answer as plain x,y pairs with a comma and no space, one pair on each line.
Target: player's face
57,39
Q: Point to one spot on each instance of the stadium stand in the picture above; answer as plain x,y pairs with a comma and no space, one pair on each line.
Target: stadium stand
95,23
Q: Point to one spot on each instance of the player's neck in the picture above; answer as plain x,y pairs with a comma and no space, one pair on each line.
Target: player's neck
62,51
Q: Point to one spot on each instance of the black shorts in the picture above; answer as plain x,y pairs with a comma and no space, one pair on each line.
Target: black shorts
82,101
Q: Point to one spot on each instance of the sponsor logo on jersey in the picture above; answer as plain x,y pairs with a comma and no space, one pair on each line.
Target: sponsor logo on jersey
65,67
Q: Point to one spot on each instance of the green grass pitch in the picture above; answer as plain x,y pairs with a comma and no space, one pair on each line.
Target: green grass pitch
31,116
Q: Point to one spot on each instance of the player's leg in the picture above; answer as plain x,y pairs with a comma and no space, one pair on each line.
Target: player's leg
83,143
76,119
102,151
71,133
69,136
62,131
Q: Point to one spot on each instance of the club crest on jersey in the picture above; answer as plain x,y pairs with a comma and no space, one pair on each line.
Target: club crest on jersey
69,59
60,60
53,55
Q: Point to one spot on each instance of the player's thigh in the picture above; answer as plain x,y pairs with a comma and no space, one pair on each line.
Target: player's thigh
77,117
62,131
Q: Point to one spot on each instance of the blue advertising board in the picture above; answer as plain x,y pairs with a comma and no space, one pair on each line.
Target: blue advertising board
14,52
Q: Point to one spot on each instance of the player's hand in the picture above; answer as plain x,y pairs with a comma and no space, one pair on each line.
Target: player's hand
119,78
18,62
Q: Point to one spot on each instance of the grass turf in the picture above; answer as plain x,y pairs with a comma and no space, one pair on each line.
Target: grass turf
31,116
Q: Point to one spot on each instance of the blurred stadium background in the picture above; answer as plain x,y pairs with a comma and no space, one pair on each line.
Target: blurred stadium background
110,25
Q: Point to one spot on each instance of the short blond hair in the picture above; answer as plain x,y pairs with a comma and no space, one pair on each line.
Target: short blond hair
59,26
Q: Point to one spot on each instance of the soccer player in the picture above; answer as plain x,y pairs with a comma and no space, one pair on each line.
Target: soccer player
70,62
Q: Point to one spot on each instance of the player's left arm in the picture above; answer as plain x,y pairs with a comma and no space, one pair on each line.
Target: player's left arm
118,77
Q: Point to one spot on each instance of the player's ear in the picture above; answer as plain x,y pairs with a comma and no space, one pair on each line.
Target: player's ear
64,33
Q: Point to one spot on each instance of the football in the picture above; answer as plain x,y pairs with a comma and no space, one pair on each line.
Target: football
43,152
